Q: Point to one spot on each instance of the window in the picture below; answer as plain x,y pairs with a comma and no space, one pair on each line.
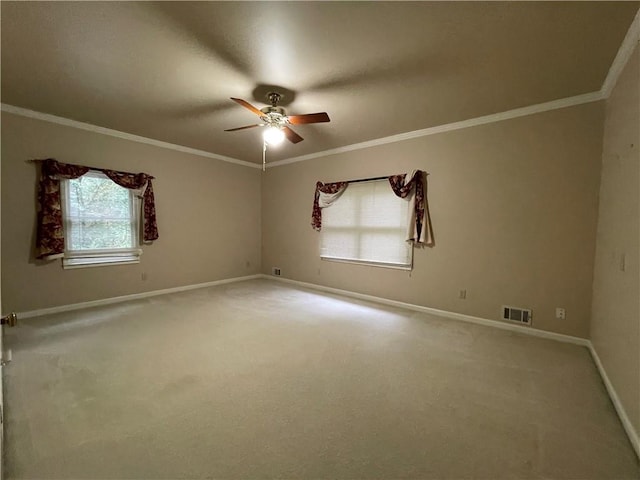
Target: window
101,222
367,224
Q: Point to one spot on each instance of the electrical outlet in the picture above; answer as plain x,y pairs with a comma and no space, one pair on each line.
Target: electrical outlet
462,294
561,313
275,271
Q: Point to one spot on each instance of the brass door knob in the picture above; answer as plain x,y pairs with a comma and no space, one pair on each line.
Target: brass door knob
9,320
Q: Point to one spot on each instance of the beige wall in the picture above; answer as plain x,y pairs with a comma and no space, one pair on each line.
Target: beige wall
208,217
513,204
615,327
514,208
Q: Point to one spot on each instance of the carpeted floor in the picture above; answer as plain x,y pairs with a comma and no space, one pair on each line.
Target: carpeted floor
261,380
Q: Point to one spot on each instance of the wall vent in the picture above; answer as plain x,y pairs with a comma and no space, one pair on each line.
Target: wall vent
275,271
514,314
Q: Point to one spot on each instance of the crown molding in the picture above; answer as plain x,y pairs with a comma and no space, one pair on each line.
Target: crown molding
118,134
631,40
627,47
613,395
449,127
472,122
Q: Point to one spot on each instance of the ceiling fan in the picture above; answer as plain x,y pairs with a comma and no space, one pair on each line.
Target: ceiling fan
277,121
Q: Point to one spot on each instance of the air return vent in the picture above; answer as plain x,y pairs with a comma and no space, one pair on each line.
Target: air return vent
514,314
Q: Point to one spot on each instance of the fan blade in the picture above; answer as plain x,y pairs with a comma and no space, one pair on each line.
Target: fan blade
242,128
309,118
247,105
292,136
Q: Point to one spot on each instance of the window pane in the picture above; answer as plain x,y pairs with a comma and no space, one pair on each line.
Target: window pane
99,214
387,245
338,243
93,235
381,207
345,213
367,223
94,197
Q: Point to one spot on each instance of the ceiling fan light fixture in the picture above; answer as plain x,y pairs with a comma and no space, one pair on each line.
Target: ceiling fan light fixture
273,135
277,121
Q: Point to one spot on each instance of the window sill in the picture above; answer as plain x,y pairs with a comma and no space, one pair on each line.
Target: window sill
71,266
392,266
100,259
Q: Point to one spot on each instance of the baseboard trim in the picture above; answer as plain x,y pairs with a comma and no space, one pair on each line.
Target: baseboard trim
617,404
622,414
441,313
134,296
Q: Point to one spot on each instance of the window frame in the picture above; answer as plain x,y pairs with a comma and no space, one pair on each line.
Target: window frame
105,256
359,229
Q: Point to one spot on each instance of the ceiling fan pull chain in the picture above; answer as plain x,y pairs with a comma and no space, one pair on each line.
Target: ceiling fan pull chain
264,155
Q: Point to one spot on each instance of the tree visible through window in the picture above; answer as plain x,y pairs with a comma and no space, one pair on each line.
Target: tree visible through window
101,221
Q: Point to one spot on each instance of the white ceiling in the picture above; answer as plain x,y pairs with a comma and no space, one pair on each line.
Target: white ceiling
166,70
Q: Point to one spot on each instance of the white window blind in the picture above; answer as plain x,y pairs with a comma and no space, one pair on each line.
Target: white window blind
101,221
367,224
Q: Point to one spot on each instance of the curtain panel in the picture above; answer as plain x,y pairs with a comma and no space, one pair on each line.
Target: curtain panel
326,194
413,185
50,228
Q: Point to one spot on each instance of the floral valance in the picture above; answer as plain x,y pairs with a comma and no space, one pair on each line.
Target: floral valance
50,229
326,194
411,186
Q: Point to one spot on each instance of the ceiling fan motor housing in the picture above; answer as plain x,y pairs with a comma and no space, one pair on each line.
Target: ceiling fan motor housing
274,116
278,110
